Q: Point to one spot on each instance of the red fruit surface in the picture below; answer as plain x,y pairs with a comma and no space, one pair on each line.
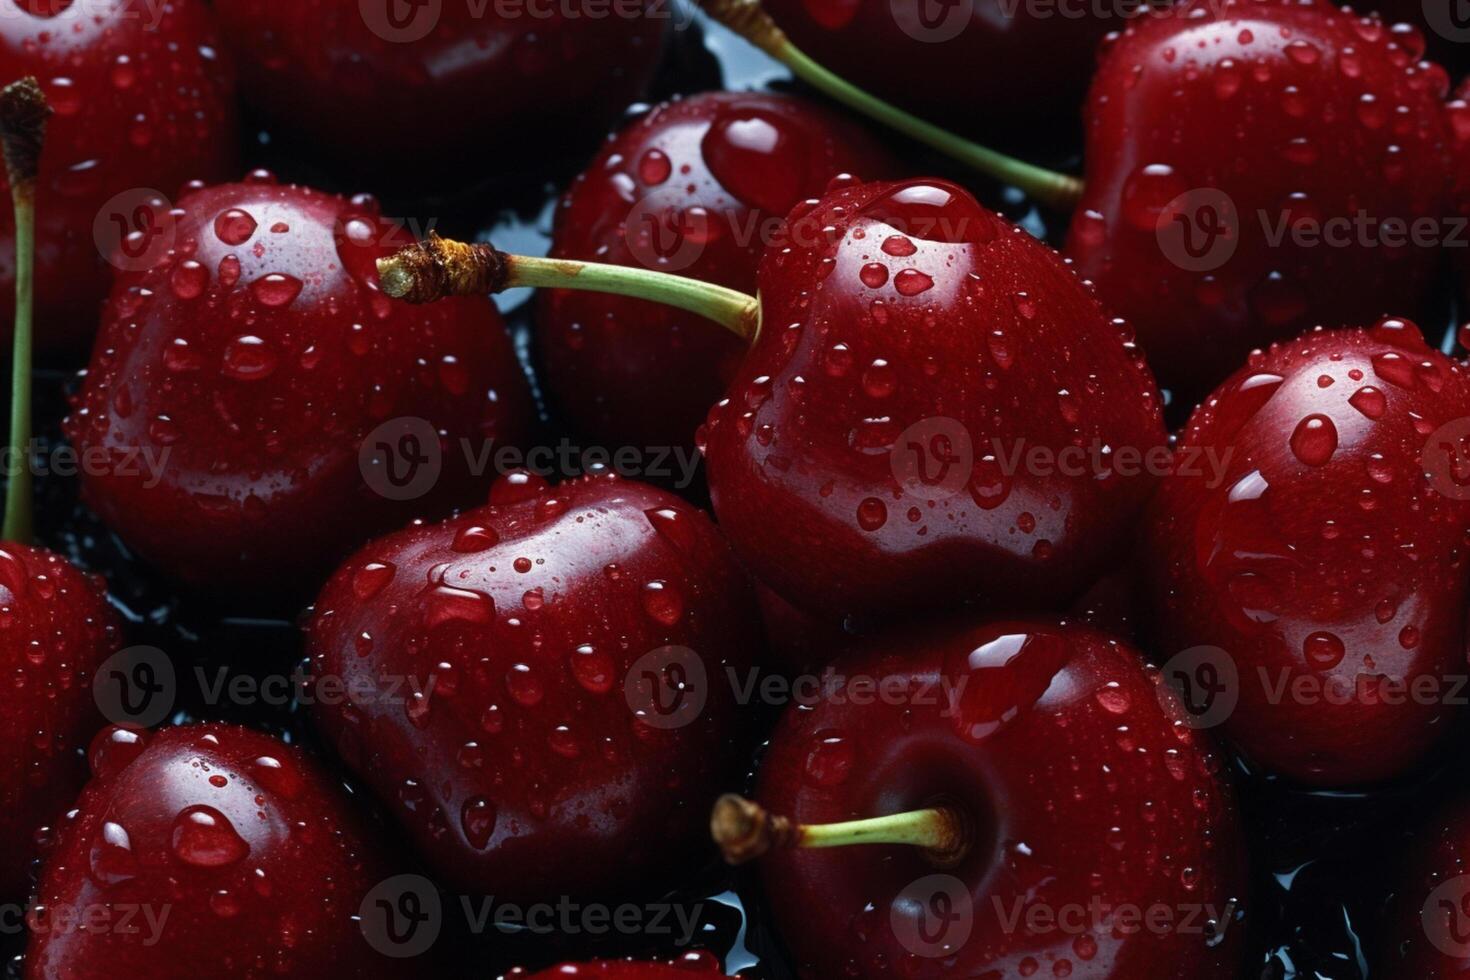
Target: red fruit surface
696,187
1326,559
254,360
250,858
1085,787
515,757
692,964
875,452
1220,126
374,82
1424,935
56,628
970,65
142,101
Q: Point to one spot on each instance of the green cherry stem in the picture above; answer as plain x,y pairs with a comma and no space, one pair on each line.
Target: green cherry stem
748,19
23,114
438,268
745,831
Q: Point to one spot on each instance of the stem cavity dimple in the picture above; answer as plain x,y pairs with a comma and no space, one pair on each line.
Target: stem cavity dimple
23,114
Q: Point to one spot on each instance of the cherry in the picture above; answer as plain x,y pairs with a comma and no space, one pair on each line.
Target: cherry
1424,933
1040,59
691,187
934,408
142,100
232,848
251,364
1254,167
905,322
549,709
698,964
1313,536
1020,789
1298,114
375,81
56,627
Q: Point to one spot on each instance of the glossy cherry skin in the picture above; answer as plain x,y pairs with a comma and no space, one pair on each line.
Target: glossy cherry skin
56,628
254,359
524,770
1299,114
251,857
1327,554
1000,64
142,100
692,964
1424,935
694,187
373,82
902,321
1083,785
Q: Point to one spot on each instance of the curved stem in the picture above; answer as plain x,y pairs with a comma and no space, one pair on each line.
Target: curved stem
23,115
438,268
745,830
746,18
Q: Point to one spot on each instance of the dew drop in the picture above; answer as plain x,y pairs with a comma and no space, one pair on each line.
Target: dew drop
204,838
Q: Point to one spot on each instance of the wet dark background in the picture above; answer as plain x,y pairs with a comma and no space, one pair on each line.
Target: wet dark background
1321,859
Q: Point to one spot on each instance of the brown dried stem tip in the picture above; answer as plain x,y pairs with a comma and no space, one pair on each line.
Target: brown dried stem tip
23,114
745,830
748,19
438,268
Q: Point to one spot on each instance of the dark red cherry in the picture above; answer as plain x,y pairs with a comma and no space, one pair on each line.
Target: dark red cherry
56,629
230,852
1254,168
935,410
1031,62
238,383
542,697
691,964
1044,784
142,104
375,82
1313,539
696,187
1425,934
